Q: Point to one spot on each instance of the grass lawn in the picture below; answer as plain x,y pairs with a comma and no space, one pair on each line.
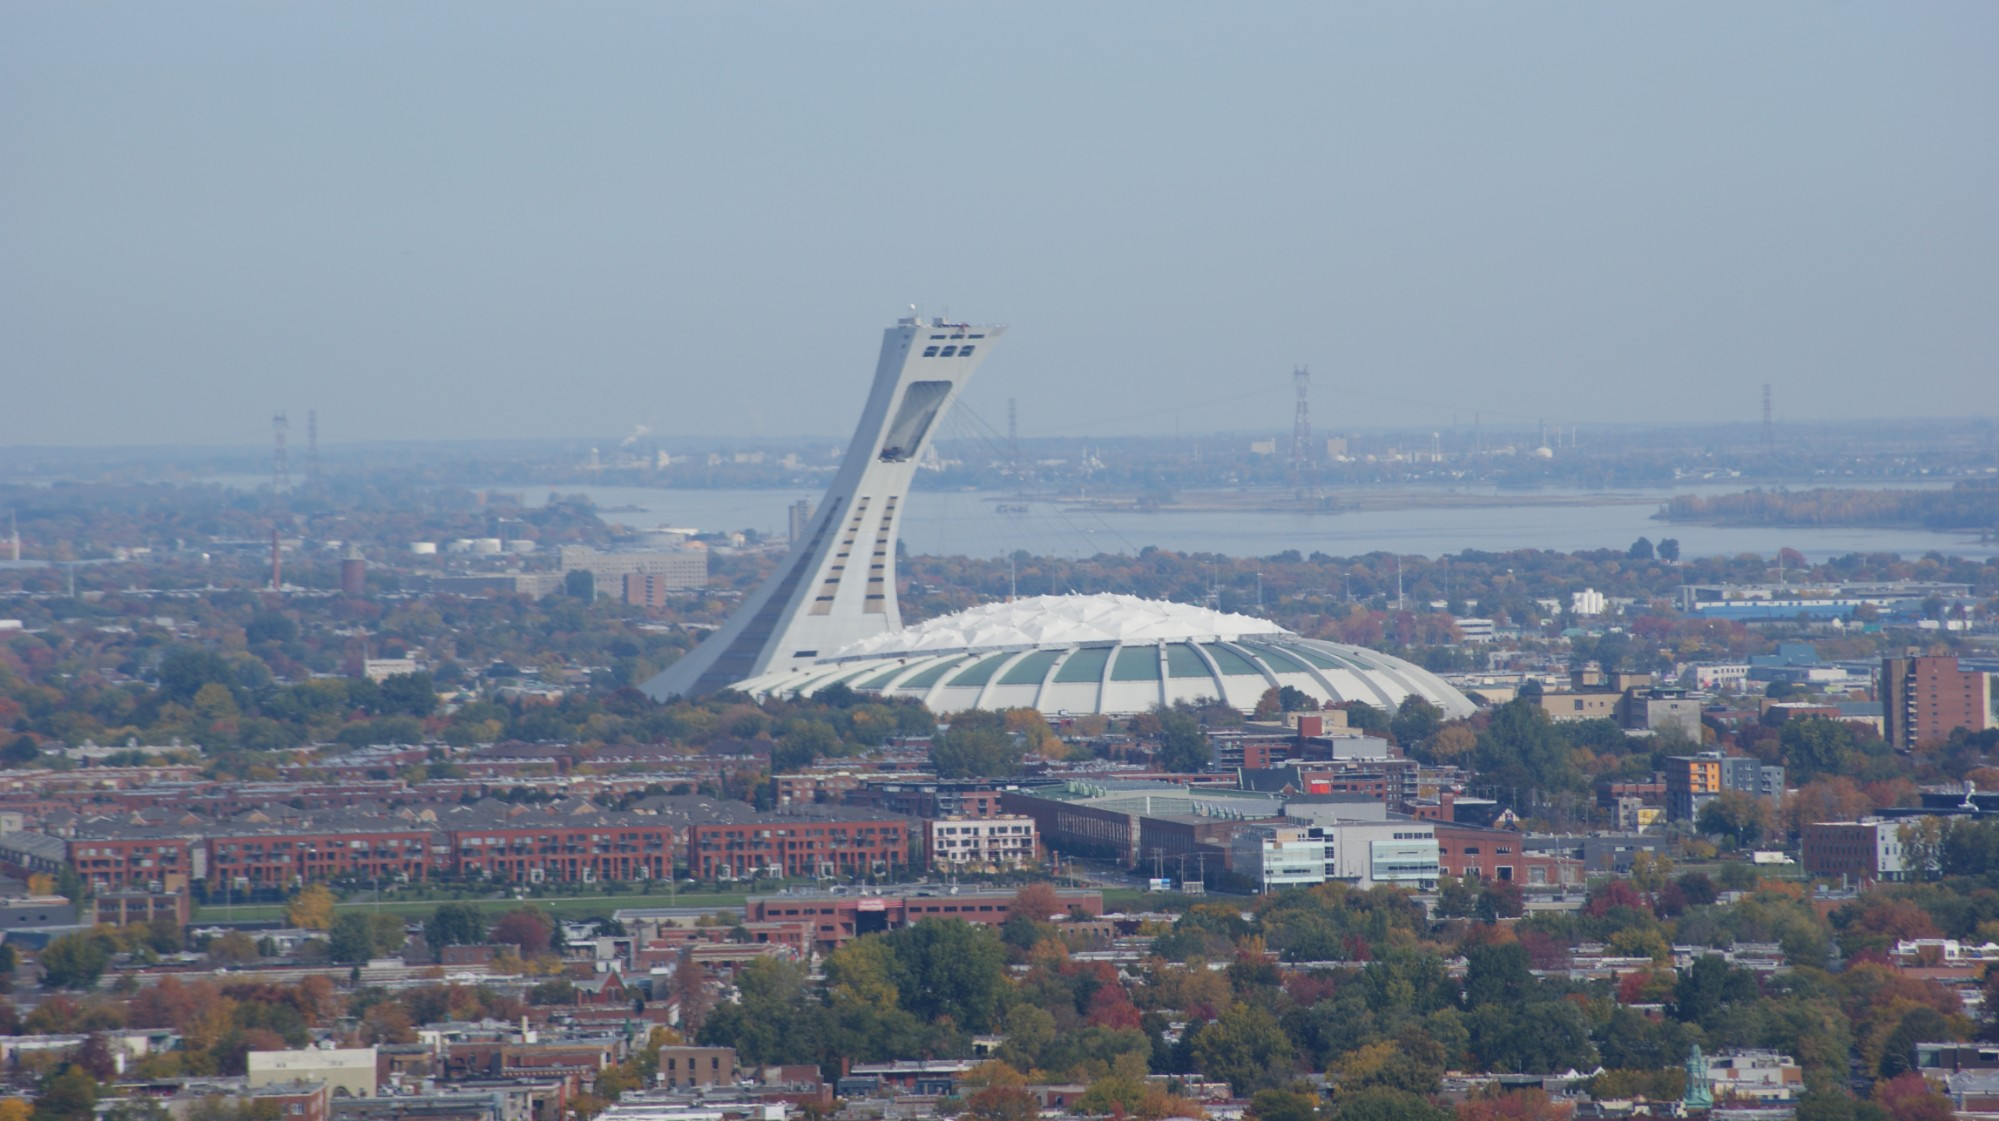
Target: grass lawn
567,906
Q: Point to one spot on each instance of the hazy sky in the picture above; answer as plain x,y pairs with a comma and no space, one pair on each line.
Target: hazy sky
462,219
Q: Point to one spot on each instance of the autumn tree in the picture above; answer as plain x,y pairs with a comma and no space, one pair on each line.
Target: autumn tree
529,929
1516,1105
311,908
1453,742
1909,1097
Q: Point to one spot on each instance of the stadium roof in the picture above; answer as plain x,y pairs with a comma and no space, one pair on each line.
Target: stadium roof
1111,654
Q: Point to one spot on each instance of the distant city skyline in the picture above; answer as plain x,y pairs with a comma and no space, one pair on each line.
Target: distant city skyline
459,222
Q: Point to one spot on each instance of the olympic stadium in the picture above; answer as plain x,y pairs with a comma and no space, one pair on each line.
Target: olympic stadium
829,613
1109,654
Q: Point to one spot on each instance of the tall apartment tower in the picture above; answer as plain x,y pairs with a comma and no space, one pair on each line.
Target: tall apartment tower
837,584
1924,698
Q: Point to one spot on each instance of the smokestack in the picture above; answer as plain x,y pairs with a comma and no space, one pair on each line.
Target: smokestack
353,573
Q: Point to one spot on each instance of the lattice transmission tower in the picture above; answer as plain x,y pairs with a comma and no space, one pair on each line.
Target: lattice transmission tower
1302,459
281,468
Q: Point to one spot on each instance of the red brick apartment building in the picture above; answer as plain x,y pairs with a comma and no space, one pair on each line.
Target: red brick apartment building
1924,699
306,853
1496,854
828,842
142,856
530,851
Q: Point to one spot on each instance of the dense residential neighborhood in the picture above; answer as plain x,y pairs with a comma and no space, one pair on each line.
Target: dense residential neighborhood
1730,852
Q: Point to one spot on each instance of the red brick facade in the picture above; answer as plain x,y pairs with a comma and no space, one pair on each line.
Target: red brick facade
132,861
1496,854
280,860
1924,699
519,853
798,847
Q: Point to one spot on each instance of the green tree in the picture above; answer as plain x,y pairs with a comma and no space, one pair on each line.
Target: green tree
1815,746
186,669
407,694
949,968
1522,750
358,937
74,961
1246,1047
1736,815
1183,746
1284,1105
1497,974
1541,1038
772,1021
270,626
976,745
1415,721
69,1095
1710,989
455,924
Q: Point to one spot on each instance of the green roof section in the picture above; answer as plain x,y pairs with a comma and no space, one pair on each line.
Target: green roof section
931,675
1230,662
880,681
1279,660
1183,661
1323,661
1136,663
1086,664
1031,669
846,679
981,672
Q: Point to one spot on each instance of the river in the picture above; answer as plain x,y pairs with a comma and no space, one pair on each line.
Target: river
971,523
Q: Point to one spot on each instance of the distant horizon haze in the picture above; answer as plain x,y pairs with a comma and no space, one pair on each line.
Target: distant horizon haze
460,221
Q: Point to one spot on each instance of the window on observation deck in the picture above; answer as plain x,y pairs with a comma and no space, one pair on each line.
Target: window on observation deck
949,351
929,352
964,350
